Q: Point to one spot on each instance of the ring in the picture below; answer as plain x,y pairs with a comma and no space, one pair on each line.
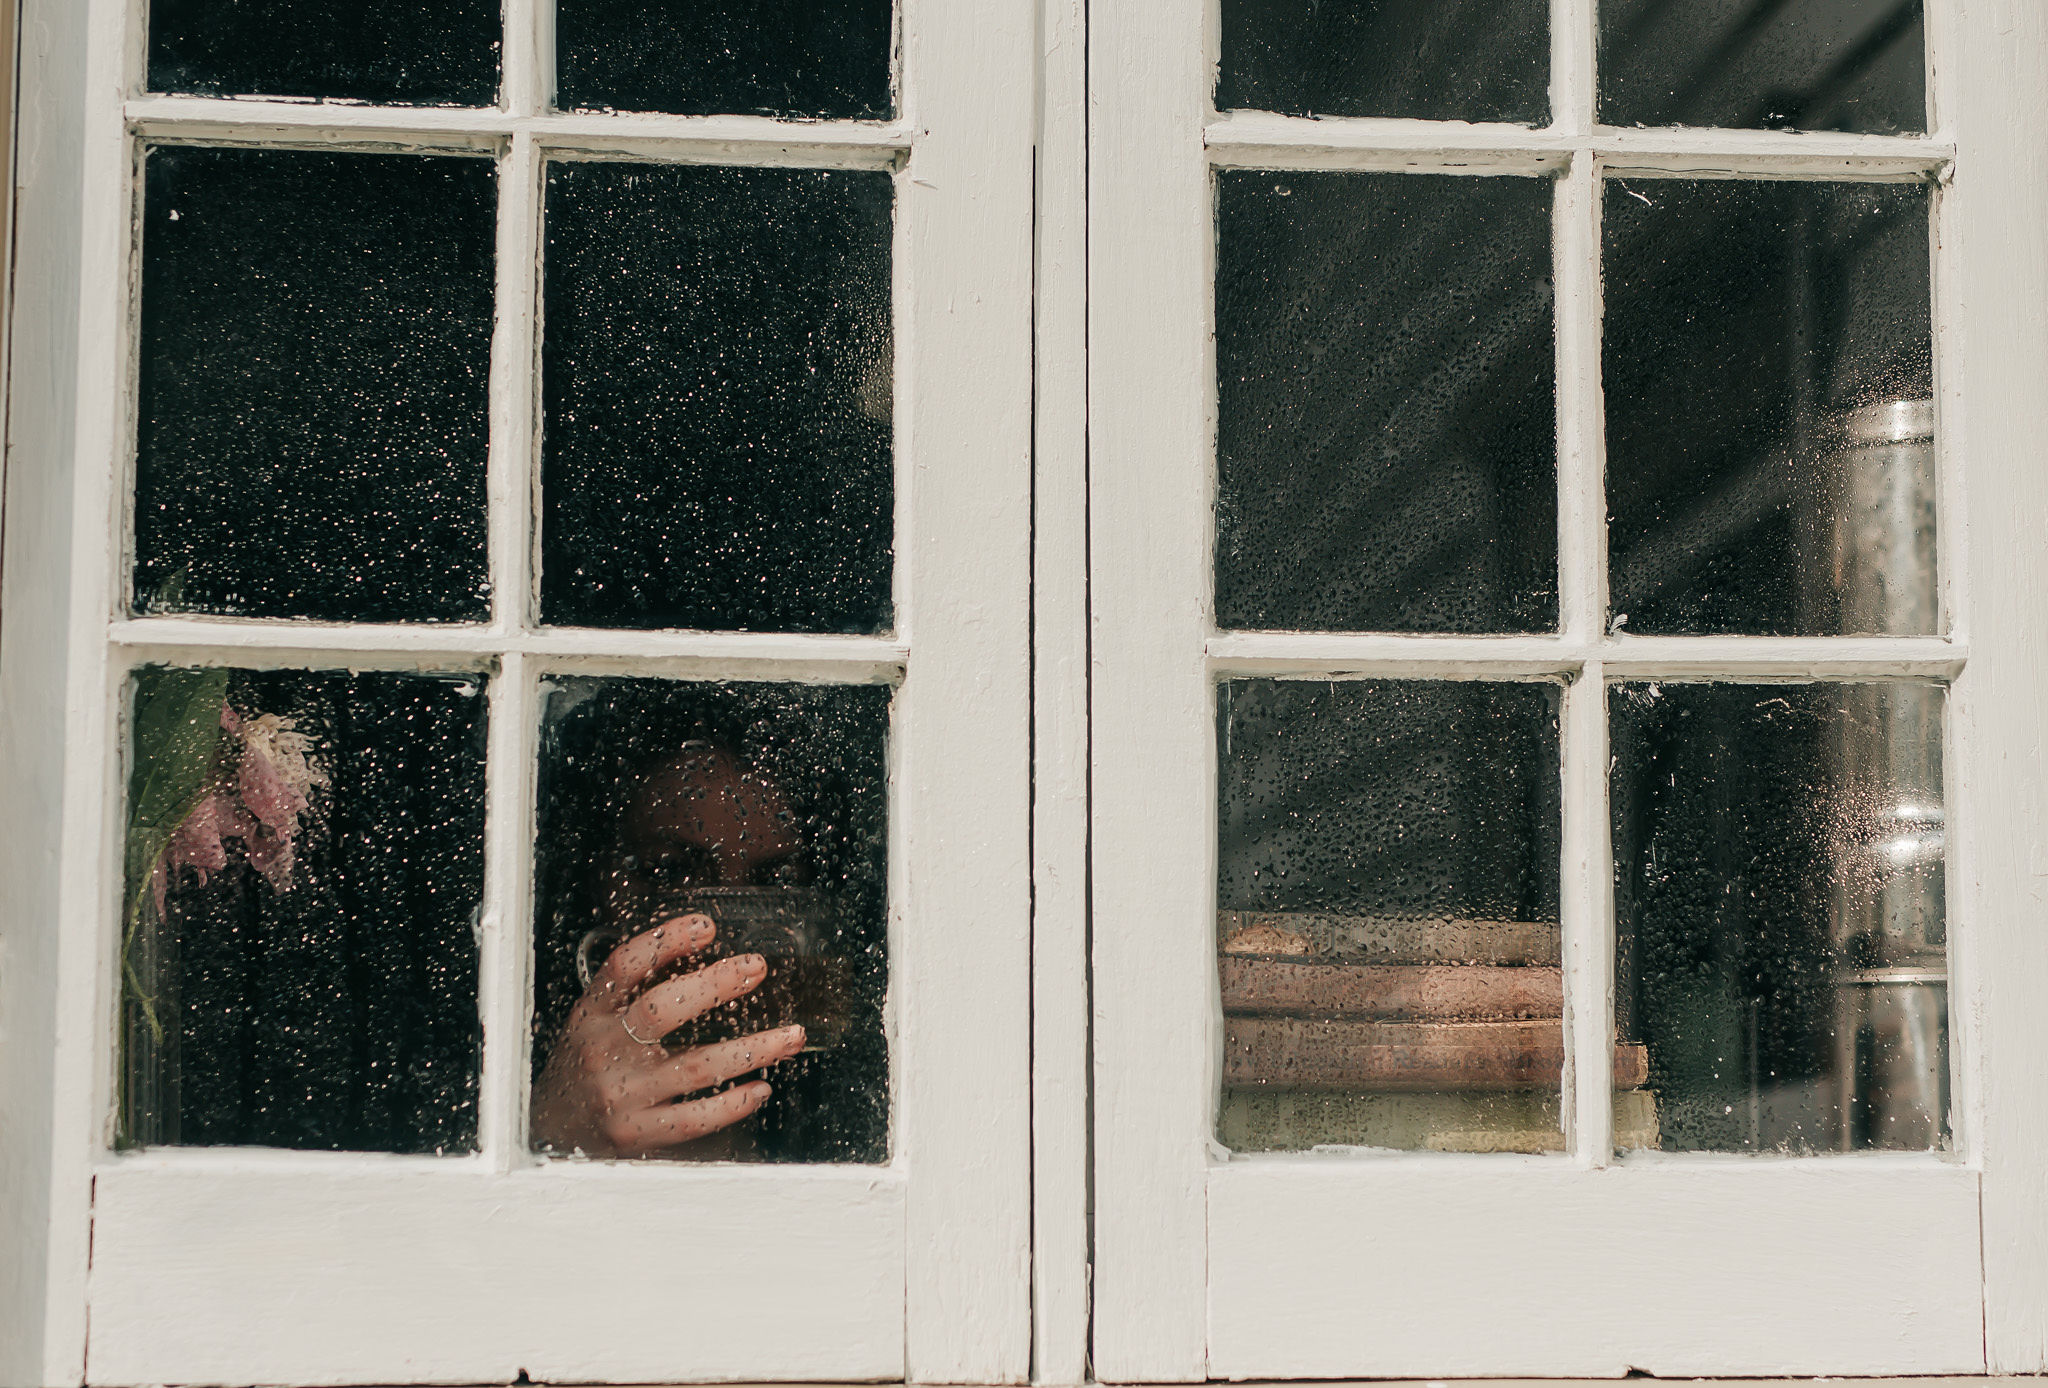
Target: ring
627,1027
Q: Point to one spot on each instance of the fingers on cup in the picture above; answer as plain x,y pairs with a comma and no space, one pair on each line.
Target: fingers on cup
638,959
704,1066
666,1006
667,1125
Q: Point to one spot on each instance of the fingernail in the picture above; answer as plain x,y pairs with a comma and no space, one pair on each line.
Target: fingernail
753,964
795,1035
695,929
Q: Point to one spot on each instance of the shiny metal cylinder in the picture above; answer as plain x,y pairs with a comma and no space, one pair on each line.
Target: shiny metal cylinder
1887,909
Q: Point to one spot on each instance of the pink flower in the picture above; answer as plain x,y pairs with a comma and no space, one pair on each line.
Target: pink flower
265,808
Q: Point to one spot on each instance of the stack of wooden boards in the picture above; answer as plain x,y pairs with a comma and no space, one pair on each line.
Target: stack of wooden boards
1432,1034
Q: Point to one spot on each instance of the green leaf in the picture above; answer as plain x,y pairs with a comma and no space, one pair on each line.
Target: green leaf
173,755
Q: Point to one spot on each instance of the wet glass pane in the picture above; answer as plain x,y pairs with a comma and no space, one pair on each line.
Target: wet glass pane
1475,60
711,925
718,386
1770,425
304,872
316,333
824,59
1782,950
1387,938
414,52
1386,433
1764,64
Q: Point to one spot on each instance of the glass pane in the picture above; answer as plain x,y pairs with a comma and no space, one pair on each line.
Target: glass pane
1782,949
316,337
416,52
1386,433
1388,943
823,59
304,872
1770,425
1475,60
712,899
1786,64
718,382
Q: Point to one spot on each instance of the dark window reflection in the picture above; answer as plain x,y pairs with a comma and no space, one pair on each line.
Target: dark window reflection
315,363
1764,64
417,52
1782,949
1386,429
1474,60
718,386
304,868
764,808
1388,940
824,59
1768,371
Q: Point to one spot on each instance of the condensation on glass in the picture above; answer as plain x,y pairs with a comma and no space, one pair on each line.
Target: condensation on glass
1770,422
411,52
1386,424
718,383
304,871
314,363
1387,930
814,59
763,807
1857,65
1472,60
1782,946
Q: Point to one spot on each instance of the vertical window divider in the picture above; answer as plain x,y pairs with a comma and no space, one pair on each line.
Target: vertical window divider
1572,54
1585,892
529,57
505,944
505,937
515,373
1586,909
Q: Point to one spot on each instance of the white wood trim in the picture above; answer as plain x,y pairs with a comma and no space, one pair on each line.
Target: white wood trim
1740,657
1151,409
1059,788
42,1197
257,118
1994,212
505,938
1263,139
690,654
1849,1266
424,1274
964,958
526,71
1586,923
87,913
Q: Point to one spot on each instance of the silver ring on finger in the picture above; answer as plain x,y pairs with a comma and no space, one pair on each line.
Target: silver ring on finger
626,1023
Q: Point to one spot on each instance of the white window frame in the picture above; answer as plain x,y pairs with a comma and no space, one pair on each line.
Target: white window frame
1393,1265
268,1266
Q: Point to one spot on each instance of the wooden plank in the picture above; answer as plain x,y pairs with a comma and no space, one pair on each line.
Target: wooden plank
1305,1053
1261,1118
1444,992
1395,1266
1387,939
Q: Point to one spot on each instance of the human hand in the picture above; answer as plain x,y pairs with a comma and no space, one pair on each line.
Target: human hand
607,1093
